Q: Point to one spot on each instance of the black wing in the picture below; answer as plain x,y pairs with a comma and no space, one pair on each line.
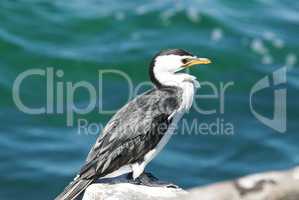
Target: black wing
132,132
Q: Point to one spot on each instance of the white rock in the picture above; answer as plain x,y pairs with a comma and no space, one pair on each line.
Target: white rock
277,185
128,191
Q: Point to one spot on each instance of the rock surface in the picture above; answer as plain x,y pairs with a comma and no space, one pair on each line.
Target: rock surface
279,185
276,185
128,191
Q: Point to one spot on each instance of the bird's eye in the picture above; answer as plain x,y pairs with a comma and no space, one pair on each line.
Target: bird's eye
185,60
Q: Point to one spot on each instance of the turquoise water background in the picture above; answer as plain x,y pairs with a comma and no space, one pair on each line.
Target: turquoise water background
247,40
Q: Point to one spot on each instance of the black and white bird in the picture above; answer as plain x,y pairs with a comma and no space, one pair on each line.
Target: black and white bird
141,128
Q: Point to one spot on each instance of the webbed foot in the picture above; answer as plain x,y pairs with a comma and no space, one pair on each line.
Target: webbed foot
150,180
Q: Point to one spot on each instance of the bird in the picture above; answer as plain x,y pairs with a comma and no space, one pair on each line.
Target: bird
141,128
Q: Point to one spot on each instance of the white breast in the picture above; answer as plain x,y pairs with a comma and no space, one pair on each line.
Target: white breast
187,100
188,87
187,96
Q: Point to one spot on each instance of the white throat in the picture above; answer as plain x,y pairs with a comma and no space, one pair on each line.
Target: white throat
184,81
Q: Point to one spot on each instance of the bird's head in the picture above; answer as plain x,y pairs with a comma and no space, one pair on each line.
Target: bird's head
170,62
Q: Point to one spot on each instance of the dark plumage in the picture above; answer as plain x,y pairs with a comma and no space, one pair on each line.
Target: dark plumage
131,133
178,52
137,132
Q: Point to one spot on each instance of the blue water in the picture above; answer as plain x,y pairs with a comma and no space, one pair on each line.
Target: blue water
246,41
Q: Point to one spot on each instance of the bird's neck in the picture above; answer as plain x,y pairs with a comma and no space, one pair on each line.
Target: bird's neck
184,81
176,79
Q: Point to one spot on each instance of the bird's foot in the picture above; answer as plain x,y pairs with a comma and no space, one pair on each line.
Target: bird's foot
148,179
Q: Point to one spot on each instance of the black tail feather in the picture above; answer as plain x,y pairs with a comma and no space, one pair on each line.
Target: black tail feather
74,189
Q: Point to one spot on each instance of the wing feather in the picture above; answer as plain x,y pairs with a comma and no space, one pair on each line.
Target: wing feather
132,132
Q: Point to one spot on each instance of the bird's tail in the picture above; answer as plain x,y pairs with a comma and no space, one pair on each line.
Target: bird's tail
74,189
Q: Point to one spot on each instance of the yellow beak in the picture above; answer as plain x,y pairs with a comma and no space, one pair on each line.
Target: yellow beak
197,61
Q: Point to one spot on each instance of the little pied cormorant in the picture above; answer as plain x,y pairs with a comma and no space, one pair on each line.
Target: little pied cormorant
140,129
